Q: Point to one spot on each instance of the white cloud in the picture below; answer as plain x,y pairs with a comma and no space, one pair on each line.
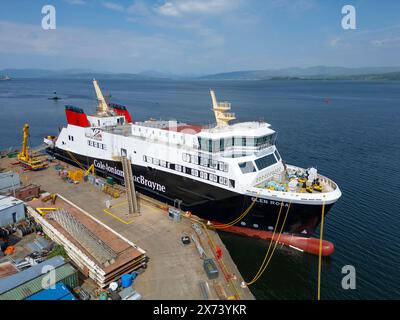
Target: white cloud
169,9
139,7
334,41
177,8
77,42
386,37
387,43
115,49
297,6
113,6
76,2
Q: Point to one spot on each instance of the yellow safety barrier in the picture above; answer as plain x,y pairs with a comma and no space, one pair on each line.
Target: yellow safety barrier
44,211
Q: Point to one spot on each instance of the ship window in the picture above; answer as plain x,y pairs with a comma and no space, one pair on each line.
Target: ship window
195,172
223,180
221,145
247,167
145,158
203,175
226,167
232,183
237,141
265,161
194,159
123,152
213,164
178,167
163,163
156,161
204,162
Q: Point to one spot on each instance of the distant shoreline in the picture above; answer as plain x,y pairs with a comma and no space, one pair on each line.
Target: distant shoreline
290,74
355,79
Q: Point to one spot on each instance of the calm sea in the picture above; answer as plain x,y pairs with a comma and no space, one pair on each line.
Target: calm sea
349,130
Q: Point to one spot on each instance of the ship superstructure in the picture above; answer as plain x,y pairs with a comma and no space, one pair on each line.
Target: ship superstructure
214,171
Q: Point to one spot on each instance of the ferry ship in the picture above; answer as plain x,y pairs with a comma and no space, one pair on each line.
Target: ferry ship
216,171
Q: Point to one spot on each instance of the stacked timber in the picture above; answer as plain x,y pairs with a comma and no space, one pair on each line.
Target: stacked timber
97,250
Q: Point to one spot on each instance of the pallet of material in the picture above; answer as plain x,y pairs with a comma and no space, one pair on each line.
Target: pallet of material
128,256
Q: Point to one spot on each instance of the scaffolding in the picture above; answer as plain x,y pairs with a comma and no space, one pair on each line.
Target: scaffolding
87,239
129,185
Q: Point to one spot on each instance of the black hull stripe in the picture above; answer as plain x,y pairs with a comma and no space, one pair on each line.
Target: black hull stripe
210,202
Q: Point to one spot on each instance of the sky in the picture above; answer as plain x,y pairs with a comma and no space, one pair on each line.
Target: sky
198,36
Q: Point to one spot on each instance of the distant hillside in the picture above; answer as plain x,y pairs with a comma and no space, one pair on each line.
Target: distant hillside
318,72
312,73
382,76
70,74
103,76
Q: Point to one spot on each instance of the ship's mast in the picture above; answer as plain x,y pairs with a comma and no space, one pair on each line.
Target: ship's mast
220,111
102,108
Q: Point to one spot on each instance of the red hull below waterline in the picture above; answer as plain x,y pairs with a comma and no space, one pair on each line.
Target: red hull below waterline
309,245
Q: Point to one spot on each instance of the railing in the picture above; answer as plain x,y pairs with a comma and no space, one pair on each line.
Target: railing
223,106
227,115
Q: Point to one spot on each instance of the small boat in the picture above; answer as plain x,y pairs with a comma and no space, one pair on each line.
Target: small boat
5,78
55,97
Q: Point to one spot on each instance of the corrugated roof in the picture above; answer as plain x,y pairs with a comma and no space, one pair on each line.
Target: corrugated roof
66,273
16,280
60,292
7,202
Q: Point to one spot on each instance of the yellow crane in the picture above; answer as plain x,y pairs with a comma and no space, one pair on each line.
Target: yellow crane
25,158
90,170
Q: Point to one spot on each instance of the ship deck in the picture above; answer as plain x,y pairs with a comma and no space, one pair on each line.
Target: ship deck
280,183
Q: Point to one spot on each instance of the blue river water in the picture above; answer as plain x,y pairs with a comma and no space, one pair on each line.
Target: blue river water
349,130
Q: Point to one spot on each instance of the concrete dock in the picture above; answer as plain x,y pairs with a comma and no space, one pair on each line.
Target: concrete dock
174,271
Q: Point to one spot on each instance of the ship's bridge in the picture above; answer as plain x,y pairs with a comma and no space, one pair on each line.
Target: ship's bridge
238,139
